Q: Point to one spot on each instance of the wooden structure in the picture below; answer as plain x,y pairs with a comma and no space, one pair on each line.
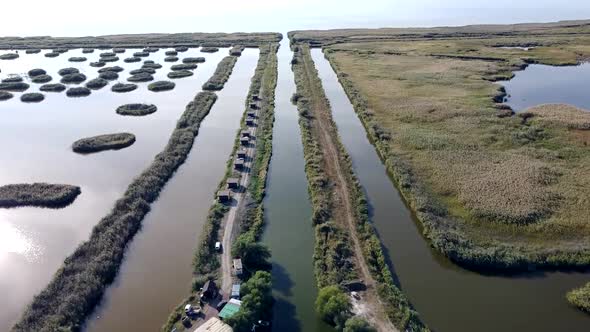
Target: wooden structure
242,153
249,121
214,324
251,114
239,164
245,140
233,183
245,133
224,196
209,290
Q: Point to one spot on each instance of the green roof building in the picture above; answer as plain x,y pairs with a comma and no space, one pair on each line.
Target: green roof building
230,309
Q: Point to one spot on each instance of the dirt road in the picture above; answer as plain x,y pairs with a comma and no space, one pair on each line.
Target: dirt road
324,130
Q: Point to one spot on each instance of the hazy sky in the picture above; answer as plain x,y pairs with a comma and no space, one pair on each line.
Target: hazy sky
79,17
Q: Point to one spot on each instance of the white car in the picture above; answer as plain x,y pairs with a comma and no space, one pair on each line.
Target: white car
217,246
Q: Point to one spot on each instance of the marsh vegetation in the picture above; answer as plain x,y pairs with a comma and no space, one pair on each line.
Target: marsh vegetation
73,78
193,60
78,92
103,142
38,194
123,87
5,95
221,75
179,74
97,83
14,86
32,97
141,77
54,87
41,79
161,86
36,72
136,109
9,56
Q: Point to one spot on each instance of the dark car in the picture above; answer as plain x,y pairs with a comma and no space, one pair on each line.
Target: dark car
220,305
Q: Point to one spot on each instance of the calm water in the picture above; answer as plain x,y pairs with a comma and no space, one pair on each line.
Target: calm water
448,298
36,143
156,274
540,84
289,231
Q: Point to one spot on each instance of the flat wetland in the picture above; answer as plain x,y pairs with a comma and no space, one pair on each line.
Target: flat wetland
38,139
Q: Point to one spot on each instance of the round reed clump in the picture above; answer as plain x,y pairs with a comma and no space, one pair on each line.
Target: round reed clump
107,54
33,51
115,69
5,95
67,71
97,83
87,50
36,72
180,74
32,97
171,59
79,91
108,75
103,142
123,87
193,60
41,79
171,53
208,49
12,79
184,66
9,56
141,54
143,71
51,55
152,65
132,59
14,86
54,87
136,109
118,50
109,59
143,77
98,64
73,78
77,59
181,49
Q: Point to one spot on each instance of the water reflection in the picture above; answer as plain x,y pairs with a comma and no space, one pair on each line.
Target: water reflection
36,147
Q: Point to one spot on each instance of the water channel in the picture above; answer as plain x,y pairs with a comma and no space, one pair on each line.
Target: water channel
448,297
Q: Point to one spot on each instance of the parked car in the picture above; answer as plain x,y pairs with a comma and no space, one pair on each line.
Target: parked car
217,246
220,305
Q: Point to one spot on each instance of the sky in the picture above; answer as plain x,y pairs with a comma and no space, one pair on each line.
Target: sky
83,18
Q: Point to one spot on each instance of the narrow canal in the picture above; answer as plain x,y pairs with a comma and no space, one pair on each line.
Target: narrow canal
156,273
289,232
449,298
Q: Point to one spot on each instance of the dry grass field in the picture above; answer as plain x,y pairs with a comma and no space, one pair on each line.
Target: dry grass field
493,190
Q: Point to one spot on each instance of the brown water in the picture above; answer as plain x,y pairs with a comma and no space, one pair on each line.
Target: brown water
156,274
289,231
36,140
448,297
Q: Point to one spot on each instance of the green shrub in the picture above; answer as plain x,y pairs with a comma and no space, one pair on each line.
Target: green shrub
257,301
580,297
333,306
357,324
78,92
38,194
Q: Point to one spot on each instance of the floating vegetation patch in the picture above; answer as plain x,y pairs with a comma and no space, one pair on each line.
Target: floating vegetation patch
9,56
73,78
151,65
103,142
38,194
161,86
115,69
41,79
87,50
109,75
32,97
143,77
181,49
199,59
5,95
136,109
171,52
97,83
98,64
180,74
79,91
55,87
123,87
12,79
184,66
14,86
132,59
33,51
209,49
107,54
150,71
77,59
171,59
67,71
51,55
109,59
36,72
118,50
141,54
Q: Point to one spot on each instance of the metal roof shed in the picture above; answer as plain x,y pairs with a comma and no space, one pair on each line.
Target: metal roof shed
230,309
214,325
